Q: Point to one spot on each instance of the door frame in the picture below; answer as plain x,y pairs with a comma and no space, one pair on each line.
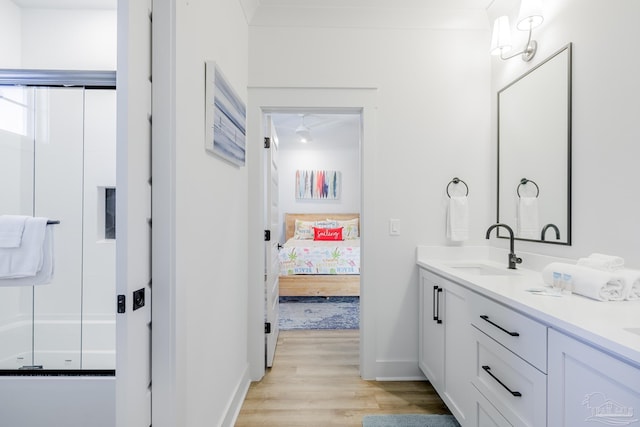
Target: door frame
264,100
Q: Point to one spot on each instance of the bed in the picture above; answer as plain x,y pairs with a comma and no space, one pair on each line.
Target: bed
332,268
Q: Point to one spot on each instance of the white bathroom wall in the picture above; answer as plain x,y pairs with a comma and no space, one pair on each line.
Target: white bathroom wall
432,123
69,39
208,220
10,35
605,114
346,160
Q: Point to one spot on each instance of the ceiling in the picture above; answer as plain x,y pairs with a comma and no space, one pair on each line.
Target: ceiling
329,131
66,4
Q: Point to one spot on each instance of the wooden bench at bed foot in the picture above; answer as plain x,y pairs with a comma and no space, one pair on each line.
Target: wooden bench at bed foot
321,285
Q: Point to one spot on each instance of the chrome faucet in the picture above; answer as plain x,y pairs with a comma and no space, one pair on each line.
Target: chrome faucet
513,259
548,226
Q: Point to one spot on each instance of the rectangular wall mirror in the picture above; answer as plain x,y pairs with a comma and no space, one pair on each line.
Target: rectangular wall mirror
534,152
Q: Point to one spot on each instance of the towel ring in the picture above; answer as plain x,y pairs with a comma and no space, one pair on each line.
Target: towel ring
456,181
525,181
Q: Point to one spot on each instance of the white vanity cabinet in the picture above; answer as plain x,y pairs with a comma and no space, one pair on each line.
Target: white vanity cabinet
588,387
445,341
500,355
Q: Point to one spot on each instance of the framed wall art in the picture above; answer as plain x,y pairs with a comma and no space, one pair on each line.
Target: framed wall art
318,184
225,117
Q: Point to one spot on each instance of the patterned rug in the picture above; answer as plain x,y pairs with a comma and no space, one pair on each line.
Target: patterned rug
418,420
319,313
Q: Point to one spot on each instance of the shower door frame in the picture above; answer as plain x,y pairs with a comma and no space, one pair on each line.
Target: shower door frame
89,79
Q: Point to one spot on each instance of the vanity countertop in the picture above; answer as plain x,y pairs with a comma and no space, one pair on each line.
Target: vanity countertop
612,326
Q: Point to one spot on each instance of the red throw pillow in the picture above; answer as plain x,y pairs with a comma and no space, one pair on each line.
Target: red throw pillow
327,233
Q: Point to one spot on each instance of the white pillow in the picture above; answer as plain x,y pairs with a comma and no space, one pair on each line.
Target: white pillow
304,229
349,228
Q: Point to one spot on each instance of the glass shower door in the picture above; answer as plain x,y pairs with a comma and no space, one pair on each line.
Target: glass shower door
58,183
57,160
16,197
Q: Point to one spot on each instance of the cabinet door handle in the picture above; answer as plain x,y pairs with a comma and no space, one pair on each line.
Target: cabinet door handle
486,319
435,297
488,371
438,319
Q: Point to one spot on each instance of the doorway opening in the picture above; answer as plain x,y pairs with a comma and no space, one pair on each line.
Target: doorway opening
320,184
264,101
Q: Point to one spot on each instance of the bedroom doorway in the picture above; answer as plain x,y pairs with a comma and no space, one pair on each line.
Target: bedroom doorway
319,149
262,101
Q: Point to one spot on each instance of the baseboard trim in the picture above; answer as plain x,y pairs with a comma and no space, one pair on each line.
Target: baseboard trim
398,370
235,404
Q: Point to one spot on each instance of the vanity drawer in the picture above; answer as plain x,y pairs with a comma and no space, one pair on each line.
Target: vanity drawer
515,388
517,332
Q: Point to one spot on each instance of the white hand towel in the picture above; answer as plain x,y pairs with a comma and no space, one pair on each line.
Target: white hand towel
596,284
45,275
458,218
26,260
11,229
602,262
528,224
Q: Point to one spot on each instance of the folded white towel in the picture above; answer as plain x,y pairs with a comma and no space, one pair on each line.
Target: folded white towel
45,275
11,229
458,218
26,260
596,284
528,224
602,262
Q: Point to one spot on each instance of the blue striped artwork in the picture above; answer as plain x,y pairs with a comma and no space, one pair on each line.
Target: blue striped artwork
225,117
318,184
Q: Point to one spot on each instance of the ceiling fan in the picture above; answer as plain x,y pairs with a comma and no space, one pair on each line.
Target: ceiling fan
303,132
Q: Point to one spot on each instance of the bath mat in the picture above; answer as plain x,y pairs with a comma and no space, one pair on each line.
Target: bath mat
409,420
319,313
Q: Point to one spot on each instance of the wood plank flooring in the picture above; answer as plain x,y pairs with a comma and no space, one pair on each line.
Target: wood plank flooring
315,381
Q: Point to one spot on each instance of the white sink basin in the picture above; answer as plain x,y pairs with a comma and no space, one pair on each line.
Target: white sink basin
479,269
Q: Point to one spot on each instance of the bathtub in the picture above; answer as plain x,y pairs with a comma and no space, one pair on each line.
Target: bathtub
76,386
56,343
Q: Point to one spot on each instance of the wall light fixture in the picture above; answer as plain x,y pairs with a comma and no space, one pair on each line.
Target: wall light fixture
530,17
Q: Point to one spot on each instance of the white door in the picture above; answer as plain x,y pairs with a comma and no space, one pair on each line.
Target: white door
133,211
272,227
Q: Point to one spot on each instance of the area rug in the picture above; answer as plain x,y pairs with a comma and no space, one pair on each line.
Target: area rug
409,420
319,313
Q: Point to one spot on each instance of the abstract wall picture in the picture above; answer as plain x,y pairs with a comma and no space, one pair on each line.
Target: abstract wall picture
225,117
318,184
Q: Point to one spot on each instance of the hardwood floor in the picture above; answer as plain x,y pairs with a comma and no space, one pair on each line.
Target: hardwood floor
315,381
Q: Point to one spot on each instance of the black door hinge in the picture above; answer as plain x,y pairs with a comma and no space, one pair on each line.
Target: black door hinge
267,328
267,142
267,235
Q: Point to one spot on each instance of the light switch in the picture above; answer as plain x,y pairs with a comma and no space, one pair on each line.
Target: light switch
394,227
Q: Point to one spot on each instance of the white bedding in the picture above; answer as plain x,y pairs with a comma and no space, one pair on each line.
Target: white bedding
320,257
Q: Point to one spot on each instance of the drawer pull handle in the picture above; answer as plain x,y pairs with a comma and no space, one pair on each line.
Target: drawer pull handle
513,393
486,319
436,304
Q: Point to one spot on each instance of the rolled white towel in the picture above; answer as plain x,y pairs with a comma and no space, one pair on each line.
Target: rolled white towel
11,229
632,283
602,262
596,284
